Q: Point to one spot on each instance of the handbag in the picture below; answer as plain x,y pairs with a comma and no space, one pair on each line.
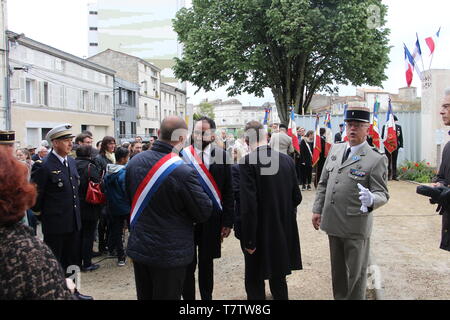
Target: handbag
94,194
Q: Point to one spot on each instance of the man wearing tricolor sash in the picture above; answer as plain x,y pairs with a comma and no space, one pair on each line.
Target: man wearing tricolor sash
167,199
213,169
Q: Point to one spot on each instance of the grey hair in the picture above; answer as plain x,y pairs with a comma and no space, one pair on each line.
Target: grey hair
447,92
40,148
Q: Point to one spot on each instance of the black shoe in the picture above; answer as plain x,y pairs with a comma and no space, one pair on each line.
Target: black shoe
80,296
96,254
92,267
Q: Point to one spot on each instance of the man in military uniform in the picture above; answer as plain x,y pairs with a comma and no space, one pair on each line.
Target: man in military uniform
57,182
353,184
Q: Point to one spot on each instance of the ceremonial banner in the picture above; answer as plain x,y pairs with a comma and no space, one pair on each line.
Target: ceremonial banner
374,130
390,144
317,144
328,134
292,131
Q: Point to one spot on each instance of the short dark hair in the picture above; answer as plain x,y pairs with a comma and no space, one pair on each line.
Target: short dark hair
84,151
98,143
212,124
322,131
81,137
282,126
121,153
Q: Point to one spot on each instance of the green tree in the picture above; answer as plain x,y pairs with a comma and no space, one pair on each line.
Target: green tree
206,109
294,47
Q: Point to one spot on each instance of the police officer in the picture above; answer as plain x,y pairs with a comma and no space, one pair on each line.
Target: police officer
352,185
57,181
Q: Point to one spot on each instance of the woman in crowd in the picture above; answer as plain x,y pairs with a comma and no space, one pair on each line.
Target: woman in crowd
88,171
105,157
24,156
28,268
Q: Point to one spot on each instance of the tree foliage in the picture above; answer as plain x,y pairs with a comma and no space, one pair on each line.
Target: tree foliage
294,47
205,109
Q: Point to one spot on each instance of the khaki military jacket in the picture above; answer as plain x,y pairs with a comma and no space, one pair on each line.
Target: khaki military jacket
337,198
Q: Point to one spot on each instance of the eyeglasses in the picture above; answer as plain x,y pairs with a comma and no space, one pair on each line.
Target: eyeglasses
356,125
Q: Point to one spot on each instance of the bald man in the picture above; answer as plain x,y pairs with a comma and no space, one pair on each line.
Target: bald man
161,242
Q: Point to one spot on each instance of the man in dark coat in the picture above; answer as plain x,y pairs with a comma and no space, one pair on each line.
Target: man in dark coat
269,198
392,157
209,235
443,177
161,241
338,136
57,182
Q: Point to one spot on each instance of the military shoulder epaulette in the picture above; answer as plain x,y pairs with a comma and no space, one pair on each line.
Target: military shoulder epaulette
376,150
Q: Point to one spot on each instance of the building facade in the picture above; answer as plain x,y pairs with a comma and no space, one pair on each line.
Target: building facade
139,28
144,74
126,97
4,90
50,87
168,100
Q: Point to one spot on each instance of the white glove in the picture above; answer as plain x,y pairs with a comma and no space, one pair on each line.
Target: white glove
366,198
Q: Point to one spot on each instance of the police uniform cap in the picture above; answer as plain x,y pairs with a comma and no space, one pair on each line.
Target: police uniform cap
7,137
357,113
60,132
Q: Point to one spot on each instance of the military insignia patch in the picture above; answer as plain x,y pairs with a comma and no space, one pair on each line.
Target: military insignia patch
333,158
56,172
358,173
356,158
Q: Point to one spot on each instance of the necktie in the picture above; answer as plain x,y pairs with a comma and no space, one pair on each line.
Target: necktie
67,167
346,155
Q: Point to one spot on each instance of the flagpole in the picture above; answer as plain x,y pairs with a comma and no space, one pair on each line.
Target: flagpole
432,56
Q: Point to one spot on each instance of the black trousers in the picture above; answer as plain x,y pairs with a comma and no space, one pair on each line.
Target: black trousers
306,173
205,277
103,230
254,280
392,165
116,225
87,241
158,283
66,248
298,170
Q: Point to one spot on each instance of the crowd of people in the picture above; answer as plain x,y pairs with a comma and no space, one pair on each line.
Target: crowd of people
179,196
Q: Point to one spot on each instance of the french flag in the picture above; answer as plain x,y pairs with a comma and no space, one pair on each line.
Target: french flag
409,66
292,131
432,41
390,144
417,53
344,132
317,144
328,134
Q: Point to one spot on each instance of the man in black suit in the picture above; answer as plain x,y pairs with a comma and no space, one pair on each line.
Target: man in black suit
269,196
338,136
392,157
209,235
57,182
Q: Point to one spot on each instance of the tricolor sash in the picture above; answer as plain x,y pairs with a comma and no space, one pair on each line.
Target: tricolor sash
151,183
206,179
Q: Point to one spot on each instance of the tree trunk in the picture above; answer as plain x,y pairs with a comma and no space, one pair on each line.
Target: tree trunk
282,106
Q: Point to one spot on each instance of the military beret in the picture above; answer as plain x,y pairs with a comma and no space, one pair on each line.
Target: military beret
60,132
357,113
7,137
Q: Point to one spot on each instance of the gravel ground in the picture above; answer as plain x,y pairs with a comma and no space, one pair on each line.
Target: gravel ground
405,246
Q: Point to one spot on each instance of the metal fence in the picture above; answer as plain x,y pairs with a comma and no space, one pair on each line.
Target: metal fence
409,121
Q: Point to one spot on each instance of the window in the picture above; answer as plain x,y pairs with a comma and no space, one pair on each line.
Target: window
93,28
133,127
181,114
146,110
93,44
84,102
29,90
165,113
156,112
45,94
107,106
93,12
96,101
122,127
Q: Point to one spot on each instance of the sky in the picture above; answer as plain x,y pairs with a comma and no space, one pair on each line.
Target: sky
63,24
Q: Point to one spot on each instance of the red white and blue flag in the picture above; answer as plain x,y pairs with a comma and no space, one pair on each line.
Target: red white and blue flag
151,183
328,134
409,66
432,41
206,179
390,144
317,144
266,118
292,131
374,130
